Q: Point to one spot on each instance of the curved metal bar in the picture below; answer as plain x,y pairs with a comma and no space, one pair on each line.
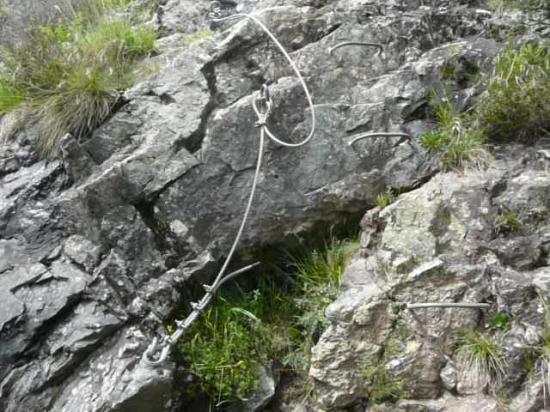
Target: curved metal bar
379,134
448,305
357,43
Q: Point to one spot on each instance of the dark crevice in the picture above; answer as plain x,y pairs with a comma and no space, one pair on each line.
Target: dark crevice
194,141
165,98
68,369
328,32
166,241
118,104
42,333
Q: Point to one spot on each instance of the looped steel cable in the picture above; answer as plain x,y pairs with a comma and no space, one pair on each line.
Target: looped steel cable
296,71
261,105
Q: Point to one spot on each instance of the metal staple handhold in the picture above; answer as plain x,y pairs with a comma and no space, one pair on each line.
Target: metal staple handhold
358,43
447,305
379,134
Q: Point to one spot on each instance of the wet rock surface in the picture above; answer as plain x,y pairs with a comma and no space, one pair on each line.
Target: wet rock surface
97,247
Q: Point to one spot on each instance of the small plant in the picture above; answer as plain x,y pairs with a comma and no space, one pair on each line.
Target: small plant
318,276
516,104
507,221
433,142
480,361
500,320
67,76
380,384
384,199
447,71
457,141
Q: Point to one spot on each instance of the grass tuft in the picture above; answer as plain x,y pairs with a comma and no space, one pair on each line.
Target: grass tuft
457,141
68,76
480,361
516,104
384,199
507,221
380,383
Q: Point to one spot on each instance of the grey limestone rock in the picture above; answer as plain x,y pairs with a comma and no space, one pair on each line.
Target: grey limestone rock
97,248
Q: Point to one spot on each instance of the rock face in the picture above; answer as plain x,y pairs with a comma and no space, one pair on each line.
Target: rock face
442,243
97,246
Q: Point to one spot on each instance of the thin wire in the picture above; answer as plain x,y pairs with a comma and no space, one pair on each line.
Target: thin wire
246,212
296,71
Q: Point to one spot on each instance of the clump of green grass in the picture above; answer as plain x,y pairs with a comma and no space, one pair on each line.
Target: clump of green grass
480,361
232,338
68,76
381,385
507,221
384,199
278,320
456,141
500,320
516,104
318,276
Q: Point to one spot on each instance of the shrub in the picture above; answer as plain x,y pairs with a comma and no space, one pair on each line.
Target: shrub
67,76
516,104
480,361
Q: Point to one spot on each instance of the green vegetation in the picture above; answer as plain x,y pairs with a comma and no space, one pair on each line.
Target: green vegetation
480,359
231,339
384,199
516,104
68,76
456,142
189,39
500,320
380,384
542,352
529,6
280,319
507,221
